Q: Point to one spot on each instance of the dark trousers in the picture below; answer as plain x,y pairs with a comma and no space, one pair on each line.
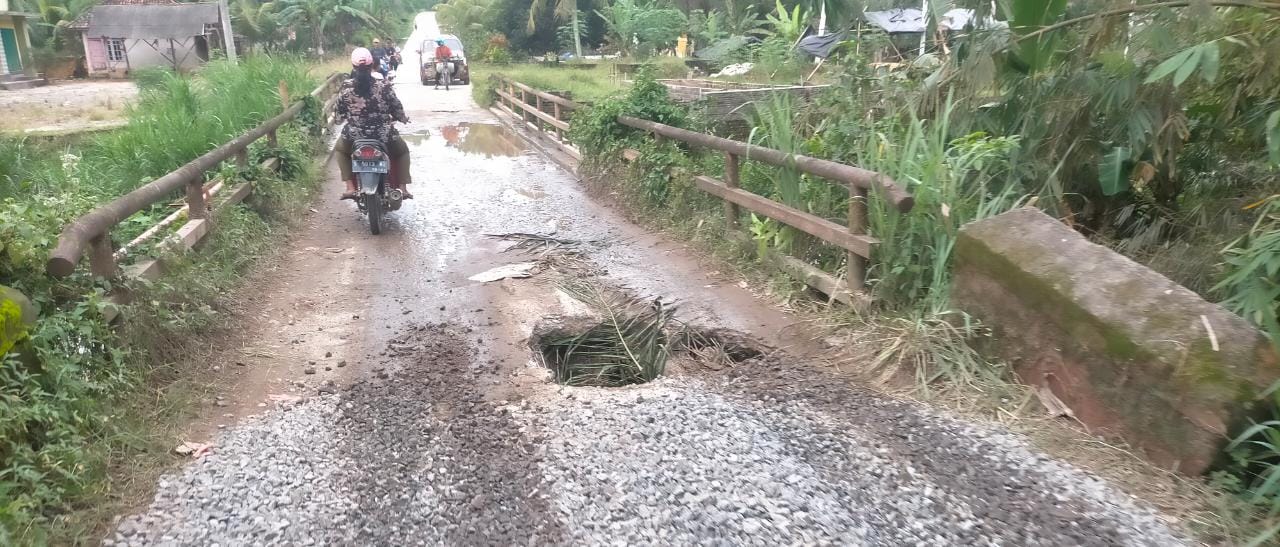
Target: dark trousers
396,148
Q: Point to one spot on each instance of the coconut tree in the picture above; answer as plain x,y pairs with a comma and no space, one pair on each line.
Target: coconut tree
564,9
318,15
255,21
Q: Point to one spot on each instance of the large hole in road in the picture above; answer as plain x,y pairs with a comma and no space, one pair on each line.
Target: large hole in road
630,341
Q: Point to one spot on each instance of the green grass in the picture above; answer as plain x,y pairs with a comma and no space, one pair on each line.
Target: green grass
583,84
78,399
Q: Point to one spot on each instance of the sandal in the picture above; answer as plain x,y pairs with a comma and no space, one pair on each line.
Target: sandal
348,195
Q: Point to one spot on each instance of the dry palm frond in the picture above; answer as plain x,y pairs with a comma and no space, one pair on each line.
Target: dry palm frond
538,243
629,346
933,348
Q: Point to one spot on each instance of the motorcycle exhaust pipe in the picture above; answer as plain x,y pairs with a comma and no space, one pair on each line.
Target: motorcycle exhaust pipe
395,194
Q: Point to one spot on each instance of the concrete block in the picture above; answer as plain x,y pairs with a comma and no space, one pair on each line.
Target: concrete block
1129,351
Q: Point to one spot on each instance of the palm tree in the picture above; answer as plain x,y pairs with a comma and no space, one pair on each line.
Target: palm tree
256,21
55,15
742,22
309,14
318,15
564,9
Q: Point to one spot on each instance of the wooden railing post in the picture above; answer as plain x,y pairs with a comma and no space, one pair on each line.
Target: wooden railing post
102,260
538,121
731,176
196,207
858,226
556,108
242,159
271,139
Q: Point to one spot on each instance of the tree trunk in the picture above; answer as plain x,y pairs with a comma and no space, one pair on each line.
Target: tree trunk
317,38
577,40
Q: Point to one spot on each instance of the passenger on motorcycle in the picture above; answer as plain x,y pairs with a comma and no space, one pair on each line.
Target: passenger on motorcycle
394,53
443,54
379,53
370,108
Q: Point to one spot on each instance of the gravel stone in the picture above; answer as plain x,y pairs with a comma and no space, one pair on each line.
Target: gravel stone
757,454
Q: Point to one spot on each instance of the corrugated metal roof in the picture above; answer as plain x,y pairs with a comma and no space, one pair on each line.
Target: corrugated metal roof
179,21
913,20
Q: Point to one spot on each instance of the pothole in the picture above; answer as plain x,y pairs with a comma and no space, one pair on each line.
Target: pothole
718,349
626,340
486,140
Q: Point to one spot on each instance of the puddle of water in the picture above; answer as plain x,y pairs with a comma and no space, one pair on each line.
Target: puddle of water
481,139
531,193
414,139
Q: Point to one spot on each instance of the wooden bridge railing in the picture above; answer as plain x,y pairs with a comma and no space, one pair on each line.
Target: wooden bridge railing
515,100
530,106
92,231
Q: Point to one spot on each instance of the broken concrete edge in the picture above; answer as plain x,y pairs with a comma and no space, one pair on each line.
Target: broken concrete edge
1122,345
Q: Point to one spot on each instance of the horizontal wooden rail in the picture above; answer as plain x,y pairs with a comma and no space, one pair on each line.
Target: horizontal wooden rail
530,109
92,229
811,224
524,104
854,176
566,103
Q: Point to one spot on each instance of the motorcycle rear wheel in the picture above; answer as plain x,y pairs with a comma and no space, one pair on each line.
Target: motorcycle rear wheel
373,204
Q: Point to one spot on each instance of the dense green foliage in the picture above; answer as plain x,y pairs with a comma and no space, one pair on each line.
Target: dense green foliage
63,391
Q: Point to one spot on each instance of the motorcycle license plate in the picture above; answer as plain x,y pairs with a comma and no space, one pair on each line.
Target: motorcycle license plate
369,166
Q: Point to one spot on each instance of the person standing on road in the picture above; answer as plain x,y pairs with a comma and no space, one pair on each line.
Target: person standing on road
370,108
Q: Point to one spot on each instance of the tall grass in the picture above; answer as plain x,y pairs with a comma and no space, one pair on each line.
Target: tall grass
583,84
178,118
954,181
59,391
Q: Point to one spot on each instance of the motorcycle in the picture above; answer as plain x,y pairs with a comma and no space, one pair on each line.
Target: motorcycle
444,72
376,193
388,73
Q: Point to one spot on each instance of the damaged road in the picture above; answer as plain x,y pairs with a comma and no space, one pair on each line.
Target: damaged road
386,397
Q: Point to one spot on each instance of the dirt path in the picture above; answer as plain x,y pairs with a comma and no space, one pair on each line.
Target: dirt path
66,106
387,399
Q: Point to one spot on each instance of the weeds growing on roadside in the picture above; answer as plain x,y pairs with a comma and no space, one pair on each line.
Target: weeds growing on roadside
65,394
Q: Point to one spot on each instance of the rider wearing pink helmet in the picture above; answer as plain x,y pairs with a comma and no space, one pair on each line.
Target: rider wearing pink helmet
370,107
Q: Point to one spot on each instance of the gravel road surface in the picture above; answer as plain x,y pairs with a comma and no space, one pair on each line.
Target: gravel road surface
385,399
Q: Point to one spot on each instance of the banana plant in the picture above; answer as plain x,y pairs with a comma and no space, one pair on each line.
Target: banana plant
1027,18
788,26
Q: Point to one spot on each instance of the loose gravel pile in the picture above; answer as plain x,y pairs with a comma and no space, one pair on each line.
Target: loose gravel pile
423,457
681,462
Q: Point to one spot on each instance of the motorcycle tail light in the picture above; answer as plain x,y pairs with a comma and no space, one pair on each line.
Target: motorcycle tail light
367,153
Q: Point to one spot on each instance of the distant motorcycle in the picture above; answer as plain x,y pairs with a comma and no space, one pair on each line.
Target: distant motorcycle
373,170
388,73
